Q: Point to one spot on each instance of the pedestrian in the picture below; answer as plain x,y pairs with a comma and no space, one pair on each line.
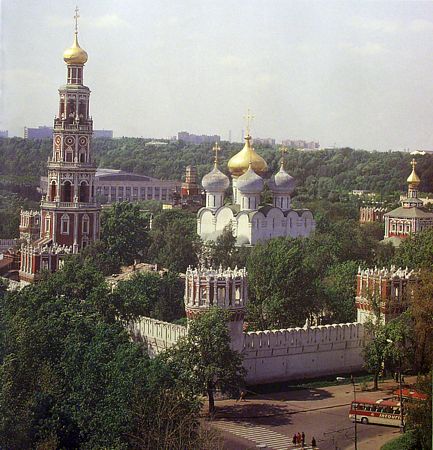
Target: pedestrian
303,439
313,443
242,395
299,438
295,439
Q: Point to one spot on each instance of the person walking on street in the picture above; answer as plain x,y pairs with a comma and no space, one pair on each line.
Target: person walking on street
299,438
295,439
313,443
303,439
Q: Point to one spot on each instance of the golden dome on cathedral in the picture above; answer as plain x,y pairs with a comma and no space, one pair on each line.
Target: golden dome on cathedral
75,54
413,177
239,163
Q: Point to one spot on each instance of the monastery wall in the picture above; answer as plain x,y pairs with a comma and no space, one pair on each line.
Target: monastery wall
276,355
296,353
157,335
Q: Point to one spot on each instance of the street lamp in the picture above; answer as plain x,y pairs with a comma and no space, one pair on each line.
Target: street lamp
400,387
352,379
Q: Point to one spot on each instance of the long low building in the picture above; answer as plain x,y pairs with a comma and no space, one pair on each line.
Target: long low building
113,185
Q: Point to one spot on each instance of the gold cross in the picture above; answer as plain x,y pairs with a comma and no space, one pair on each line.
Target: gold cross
76,19
414,163
248,117
216,148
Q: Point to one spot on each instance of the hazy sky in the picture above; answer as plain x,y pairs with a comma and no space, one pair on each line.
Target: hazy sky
352,73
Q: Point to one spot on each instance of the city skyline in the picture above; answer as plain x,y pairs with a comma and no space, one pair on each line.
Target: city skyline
351,74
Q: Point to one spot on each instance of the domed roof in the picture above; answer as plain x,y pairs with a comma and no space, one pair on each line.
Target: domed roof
215,181
75,54
282,182
239,163
413,178
250,182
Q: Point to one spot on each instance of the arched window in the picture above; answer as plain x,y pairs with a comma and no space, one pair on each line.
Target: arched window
85,224
83,194
53,190
82,157
67,192
64,224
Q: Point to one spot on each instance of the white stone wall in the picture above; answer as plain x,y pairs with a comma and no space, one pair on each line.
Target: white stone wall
277,355
297,353
158,335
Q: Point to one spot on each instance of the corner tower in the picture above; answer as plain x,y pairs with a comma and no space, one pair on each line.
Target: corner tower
226,289
69,213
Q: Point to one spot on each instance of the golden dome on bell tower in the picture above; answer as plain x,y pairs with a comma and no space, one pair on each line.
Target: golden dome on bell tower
413,178
75,54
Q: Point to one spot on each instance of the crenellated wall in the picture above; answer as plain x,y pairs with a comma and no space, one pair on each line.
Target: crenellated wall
157,335
277,355
296,353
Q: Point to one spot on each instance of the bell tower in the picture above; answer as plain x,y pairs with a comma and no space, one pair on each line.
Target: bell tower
69,215
69,212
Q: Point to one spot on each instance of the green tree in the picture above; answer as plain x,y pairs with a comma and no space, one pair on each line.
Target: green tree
205,358
70,377
150,294
416,251
124,232
174,240
419,414
276,286
223,252
339,290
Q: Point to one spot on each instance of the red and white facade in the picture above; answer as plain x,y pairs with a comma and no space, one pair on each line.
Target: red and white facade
383,294
70,215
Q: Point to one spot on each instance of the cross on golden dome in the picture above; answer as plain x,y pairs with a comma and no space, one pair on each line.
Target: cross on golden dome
249,118
76,17
283,151
216,148
413,177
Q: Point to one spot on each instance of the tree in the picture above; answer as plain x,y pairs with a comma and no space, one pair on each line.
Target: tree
70,377
419,414
416,251
150,294
339,290
278,286
205,358
174,240
223,252
421,311
124,231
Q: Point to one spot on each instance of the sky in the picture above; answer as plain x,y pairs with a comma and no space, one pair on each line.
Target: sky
344,73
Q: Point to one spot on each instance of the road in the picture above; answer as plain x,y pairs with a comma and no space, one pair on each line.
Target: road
269,421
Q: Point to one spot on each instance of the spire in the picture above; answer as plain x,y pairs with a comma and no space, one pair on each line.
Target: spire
283,151
249,118
76,17
216,148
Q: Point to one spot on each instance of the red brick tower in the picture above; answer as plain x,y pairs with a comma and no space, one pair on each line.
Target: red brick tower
69,212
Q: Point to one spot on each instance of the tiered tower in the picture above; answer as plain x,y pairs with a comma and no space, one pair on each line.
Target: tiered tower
227,289
69,212
383,294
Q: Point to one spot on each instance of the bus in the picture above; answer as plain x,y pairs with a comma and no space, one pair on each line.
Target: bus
380,412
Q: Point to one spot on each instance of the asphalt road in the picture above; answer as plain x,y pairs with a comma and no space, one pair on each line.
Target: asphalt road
269,421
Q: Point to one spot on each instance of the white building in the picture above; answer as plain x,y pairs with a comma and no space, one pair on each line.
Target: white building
251,221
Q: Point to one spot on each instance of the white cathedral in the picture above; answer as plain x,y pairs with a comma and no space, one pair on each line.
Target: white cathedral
251,222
